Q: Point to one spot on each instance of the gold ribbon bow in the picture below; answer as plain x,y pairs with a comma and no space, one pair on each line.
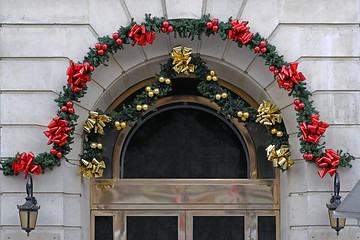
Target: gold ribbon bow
93,169
182,59
97,122
281,158
266,114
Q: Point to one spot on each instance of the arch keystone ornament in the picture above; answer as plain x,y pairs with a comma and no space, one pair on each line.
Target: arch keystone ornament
61,128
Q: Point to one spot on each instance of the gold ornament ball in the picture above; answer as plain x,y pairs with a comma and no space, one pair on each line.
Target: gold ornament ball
118,128
209,78
123,124
156,91
99,146
279,134
93,145
212,73
217,96
246,114
117,124
167,81
145,107
150,94
224,95
239,113
148,89
214,78
273,131
161,79
138,107
243,119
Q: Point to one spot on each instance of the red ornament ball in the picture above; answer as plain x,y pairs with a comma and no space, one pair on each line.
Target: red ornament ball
100,52
256,49
263,50
69,104
166,24
91,68
64,108
104,47
276,72
301,105
310,156
71,110
59,154
272,68
170,29
305,156
53,151
297,102
262,44
86,65
119,41
209,25
98,46
297,108
214,21
115,35
215,28
164,30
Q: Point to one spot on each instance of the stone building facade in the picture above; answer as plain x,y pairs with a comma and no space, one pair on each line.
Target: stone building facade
38,38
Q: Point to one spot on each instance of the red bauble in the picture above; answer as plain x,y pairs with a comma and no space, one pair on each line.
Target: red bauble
166,24
164,30
170,29
305,156
310,156
91,68
272,68
64,108
53,151
119,41
98,46
70,104
100,52
297,102
209,25
86,65
214,21
301,105
59,154
262,44
297,108
256,49
276,72
263,50
104,47
215,28
115,35
71,110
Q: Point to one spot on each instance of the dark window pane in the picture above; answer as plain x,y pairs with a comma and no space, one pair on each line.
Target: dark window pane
151,228
266,228
218,228
185,143
103,228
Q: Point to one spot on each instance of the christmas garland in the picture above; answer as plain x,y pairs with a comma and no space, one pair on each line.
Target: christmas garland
62,127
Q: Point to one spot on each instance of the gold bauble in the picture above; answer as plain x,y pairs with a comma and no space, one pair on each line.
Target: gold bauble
217,96
246,114
214,78
279,134
239,113
117,124
93,145
161,79
148,89
273,131
212,73
167,81
118,128
138,107
156,91
224,95
150,94
99,146
123,124
209,77
243,119
145,107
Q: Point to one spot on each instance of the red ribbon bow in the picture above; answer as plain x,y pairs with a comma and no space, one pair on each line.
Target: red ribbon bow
57,129
240,31
140,36
77,79
328,162
24,164
289,77
312,133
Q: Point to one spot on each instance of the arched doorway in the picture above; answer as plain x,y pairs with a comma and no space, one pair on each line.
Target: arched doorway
186,172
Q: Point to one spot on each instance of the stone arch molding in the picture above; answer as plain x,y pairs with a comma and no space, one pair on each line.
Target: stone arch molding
241,70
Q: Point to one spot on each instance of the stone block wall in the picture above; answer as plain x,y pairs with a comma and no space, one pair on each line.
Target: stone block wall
38,38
